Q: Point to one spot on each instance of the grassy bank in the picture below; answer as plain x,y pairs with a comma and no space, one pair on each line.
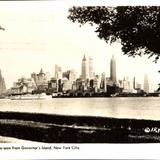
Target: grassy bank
77,129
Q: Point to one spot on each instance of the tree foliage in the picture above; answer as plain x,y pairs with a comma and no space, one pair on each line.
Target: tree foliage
137,27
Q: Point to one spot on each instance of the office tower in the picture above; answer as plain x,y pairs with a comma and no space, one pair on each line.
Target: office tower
97,83
103,82
146,84
48,76
138,86
40,80
134,83
113,69
2,84
52,85
84,74
58,72
70,75
127,85
41,74
90,67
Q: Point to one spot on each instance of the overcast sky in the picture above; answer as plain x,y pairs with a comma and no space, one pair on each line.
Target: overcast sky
39,35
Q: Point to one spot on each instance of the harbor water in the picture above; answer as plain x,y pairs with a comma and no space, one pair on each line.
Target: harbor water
119,107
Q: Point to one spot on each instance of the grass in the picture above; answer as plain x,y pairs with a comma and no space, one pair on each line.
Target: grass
76,129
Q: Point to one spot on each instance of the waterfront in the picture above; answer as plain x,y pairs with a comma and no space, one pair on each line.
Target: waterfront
118,107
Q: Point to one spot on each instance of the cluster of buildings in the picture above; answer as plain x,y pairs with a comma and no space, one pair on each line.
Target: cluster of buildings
87,83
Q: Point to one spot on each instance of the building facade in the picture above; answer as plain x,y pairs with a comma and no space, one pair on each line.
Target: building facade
84,73
58,72
2,84
41,81
91,68
23,86
113,70
146,84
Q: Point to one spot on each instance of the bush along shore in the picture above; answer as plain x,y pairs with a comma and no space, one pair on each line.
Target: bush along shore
77,129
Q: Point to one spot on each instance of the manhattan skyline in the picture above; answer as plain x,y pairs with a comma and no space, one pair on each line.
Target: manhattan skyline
34,40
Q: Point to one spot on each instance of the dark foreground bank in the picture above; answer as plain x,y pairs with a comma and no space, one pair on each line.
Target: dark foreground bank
77,129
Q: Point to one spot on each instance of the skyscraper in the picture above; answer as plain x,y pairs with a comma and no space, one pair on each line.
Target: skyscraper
134,83
58,72
103,82
146,84
113,70
40,79
70,75
84,73
2,84
90,67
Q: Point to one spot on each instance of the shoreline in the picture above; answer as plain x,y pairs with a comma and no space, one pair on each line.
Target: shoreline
77,129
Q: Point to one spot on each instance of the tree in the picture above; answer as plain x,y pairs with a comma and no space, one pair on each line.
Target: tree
136,27
1,28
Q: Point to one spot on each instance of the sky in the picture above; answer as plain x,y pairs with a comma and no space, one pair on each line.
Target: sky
39,35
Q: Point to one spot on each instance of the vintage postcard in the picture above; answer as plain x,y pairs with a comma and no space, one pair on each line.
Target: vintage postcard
79,78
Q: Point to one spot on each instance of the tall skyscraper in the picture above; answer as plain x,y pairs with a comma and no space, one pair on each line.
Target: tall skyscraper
113,70
40,79
70,75
58,72
146,84
90,67
103,82
134,83
2,84
84,74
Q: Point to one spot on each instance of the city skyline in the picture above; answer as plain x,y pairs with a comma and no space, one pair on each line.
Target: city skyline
111,70
34,40
70,77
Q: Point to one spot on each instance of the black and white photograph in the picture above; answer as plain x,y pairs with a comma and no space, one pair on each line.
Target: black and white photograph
79,73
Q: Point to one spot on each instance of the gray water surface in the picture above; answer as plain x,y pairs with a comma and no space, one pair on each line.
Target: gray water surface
127,107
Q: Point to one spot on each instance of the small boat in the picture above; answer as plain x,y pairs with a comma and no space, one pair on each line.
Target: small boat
31,97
